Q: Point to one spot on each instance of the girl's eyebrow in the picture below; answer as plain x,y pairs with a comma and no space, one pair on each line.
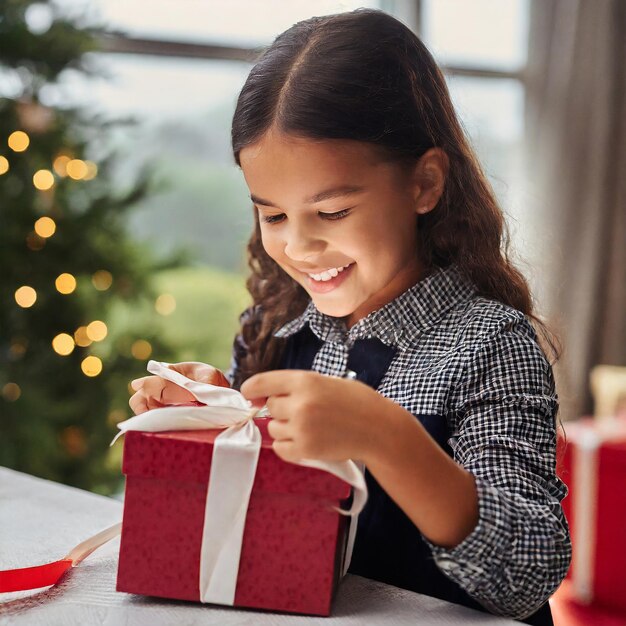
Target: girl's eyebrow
335,192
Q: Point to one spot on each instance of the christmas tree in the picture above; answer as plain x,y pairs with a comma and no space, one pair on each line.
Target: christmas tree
65,261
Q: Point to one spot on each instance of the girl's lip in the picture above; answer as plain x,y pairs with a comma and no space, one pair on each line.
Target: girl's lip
328,285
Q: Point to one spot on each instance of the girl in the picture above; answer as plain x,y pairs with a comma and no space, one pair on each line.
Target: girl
377,251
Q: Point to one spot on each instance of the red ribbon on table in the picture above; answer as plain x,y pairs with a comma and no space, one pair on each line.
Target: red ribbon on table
38,576
33,577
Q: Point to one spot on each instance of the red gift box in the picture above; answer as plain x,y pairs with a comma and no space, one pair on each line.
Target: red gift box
293,542
593,466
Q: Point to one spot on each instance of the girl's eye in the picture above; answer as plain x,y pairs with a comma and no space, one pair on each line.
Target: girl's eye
335,216
274,219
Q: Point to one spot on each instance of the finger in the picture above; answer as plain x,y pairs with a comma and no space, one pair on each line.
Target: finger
154,402
138,404
274,383
189,368
171,393
286,450
145,383
137,384
279,407
165,392
279,430
202,372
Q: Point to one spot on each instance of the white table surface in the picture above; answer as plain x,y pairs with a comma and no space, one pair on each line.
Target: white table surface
40,521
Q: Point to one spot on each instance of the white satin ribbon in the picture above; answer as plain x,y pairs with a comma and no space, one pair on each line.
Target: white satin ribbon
233,467
585,477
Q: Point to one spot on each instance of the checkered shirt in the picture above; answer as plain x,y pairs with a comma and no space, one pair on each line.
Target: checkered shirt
477,362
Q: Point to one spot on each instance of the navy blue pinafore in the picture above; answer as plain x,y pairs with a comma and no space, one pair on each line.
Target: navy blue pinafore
388,546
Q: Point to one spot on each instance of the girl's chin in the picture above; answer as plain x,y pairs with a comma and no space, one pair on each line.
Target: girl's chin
333,309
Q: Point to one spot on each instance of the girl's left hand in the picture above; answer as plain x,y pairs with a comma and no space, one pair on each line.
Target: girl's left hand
317,416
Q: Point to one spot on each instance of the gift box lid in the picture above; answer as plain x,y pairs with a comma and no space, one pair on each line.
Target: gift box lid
186,456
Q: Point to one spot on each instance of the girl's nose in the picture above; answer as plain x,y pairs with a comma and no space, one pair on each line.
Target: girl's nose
300,244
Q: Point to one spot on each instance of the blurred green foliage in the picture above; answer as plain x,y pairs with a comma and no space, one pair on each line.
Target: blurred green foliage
201,328
56,419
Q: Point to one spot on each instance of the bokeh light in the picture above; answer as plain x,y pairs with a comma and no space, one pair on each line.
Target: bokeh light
63,344
11,392
60,165
116,416
34,241
96,330
74,441
25,296
18,346
91,366
76,169
45,227
4,165
165,304
102,280
65,283
18,141
92,170
43,180
38,17
81,338
141,349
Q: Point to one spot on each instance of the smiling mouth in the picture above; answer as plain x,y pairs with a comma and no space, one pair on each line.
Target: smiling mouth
329,274
326,283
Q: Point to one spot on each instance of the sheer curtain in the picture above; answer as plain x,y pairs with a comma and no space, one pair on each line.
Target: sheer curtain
576,158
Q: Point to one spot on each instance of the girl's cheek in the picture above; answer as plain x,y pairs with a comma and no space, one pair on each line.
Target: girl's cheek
267,241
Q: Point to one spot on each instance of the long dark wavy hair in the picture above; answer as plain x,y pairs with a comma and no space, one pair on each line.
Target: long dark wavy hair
363,75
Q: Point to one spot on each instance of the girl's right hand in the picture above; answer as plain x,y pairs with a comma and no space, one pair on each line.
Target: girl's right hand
153,391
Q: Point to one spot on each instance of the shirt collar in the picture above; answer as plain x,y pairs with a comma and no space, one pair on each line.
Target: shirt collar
396,323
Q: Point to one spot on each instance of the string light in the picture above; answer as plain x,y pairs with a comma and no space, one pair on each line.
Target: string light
116,416
18,141
92,170
141,349
76,169
34,241
165,304
18,347
91,366
11,392
74,441
25,296
4,165
65,283
43,180
45,227
96,330
63,344
80,337
60,165
102,280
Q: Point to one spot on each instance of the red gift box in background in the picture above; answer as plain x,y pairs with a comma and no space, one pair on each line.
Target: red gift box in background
593,466
293,542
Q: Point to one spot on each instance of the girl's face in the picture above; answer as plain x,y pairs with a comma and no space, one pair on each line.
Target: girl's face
331,204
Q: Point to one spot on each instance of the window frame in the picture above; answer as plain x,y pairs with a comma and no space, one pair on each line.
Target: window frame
410,11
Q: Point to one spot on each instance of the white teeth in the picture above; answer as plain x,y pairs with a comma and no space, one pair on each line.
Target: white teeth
328,274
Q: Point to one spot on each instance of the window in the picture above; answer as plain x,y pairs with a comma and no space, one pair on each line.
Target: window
177,68
482,46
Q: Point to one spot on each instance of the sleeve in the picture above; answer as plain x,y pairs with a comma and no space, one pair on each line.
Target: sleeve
240,348
520,550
